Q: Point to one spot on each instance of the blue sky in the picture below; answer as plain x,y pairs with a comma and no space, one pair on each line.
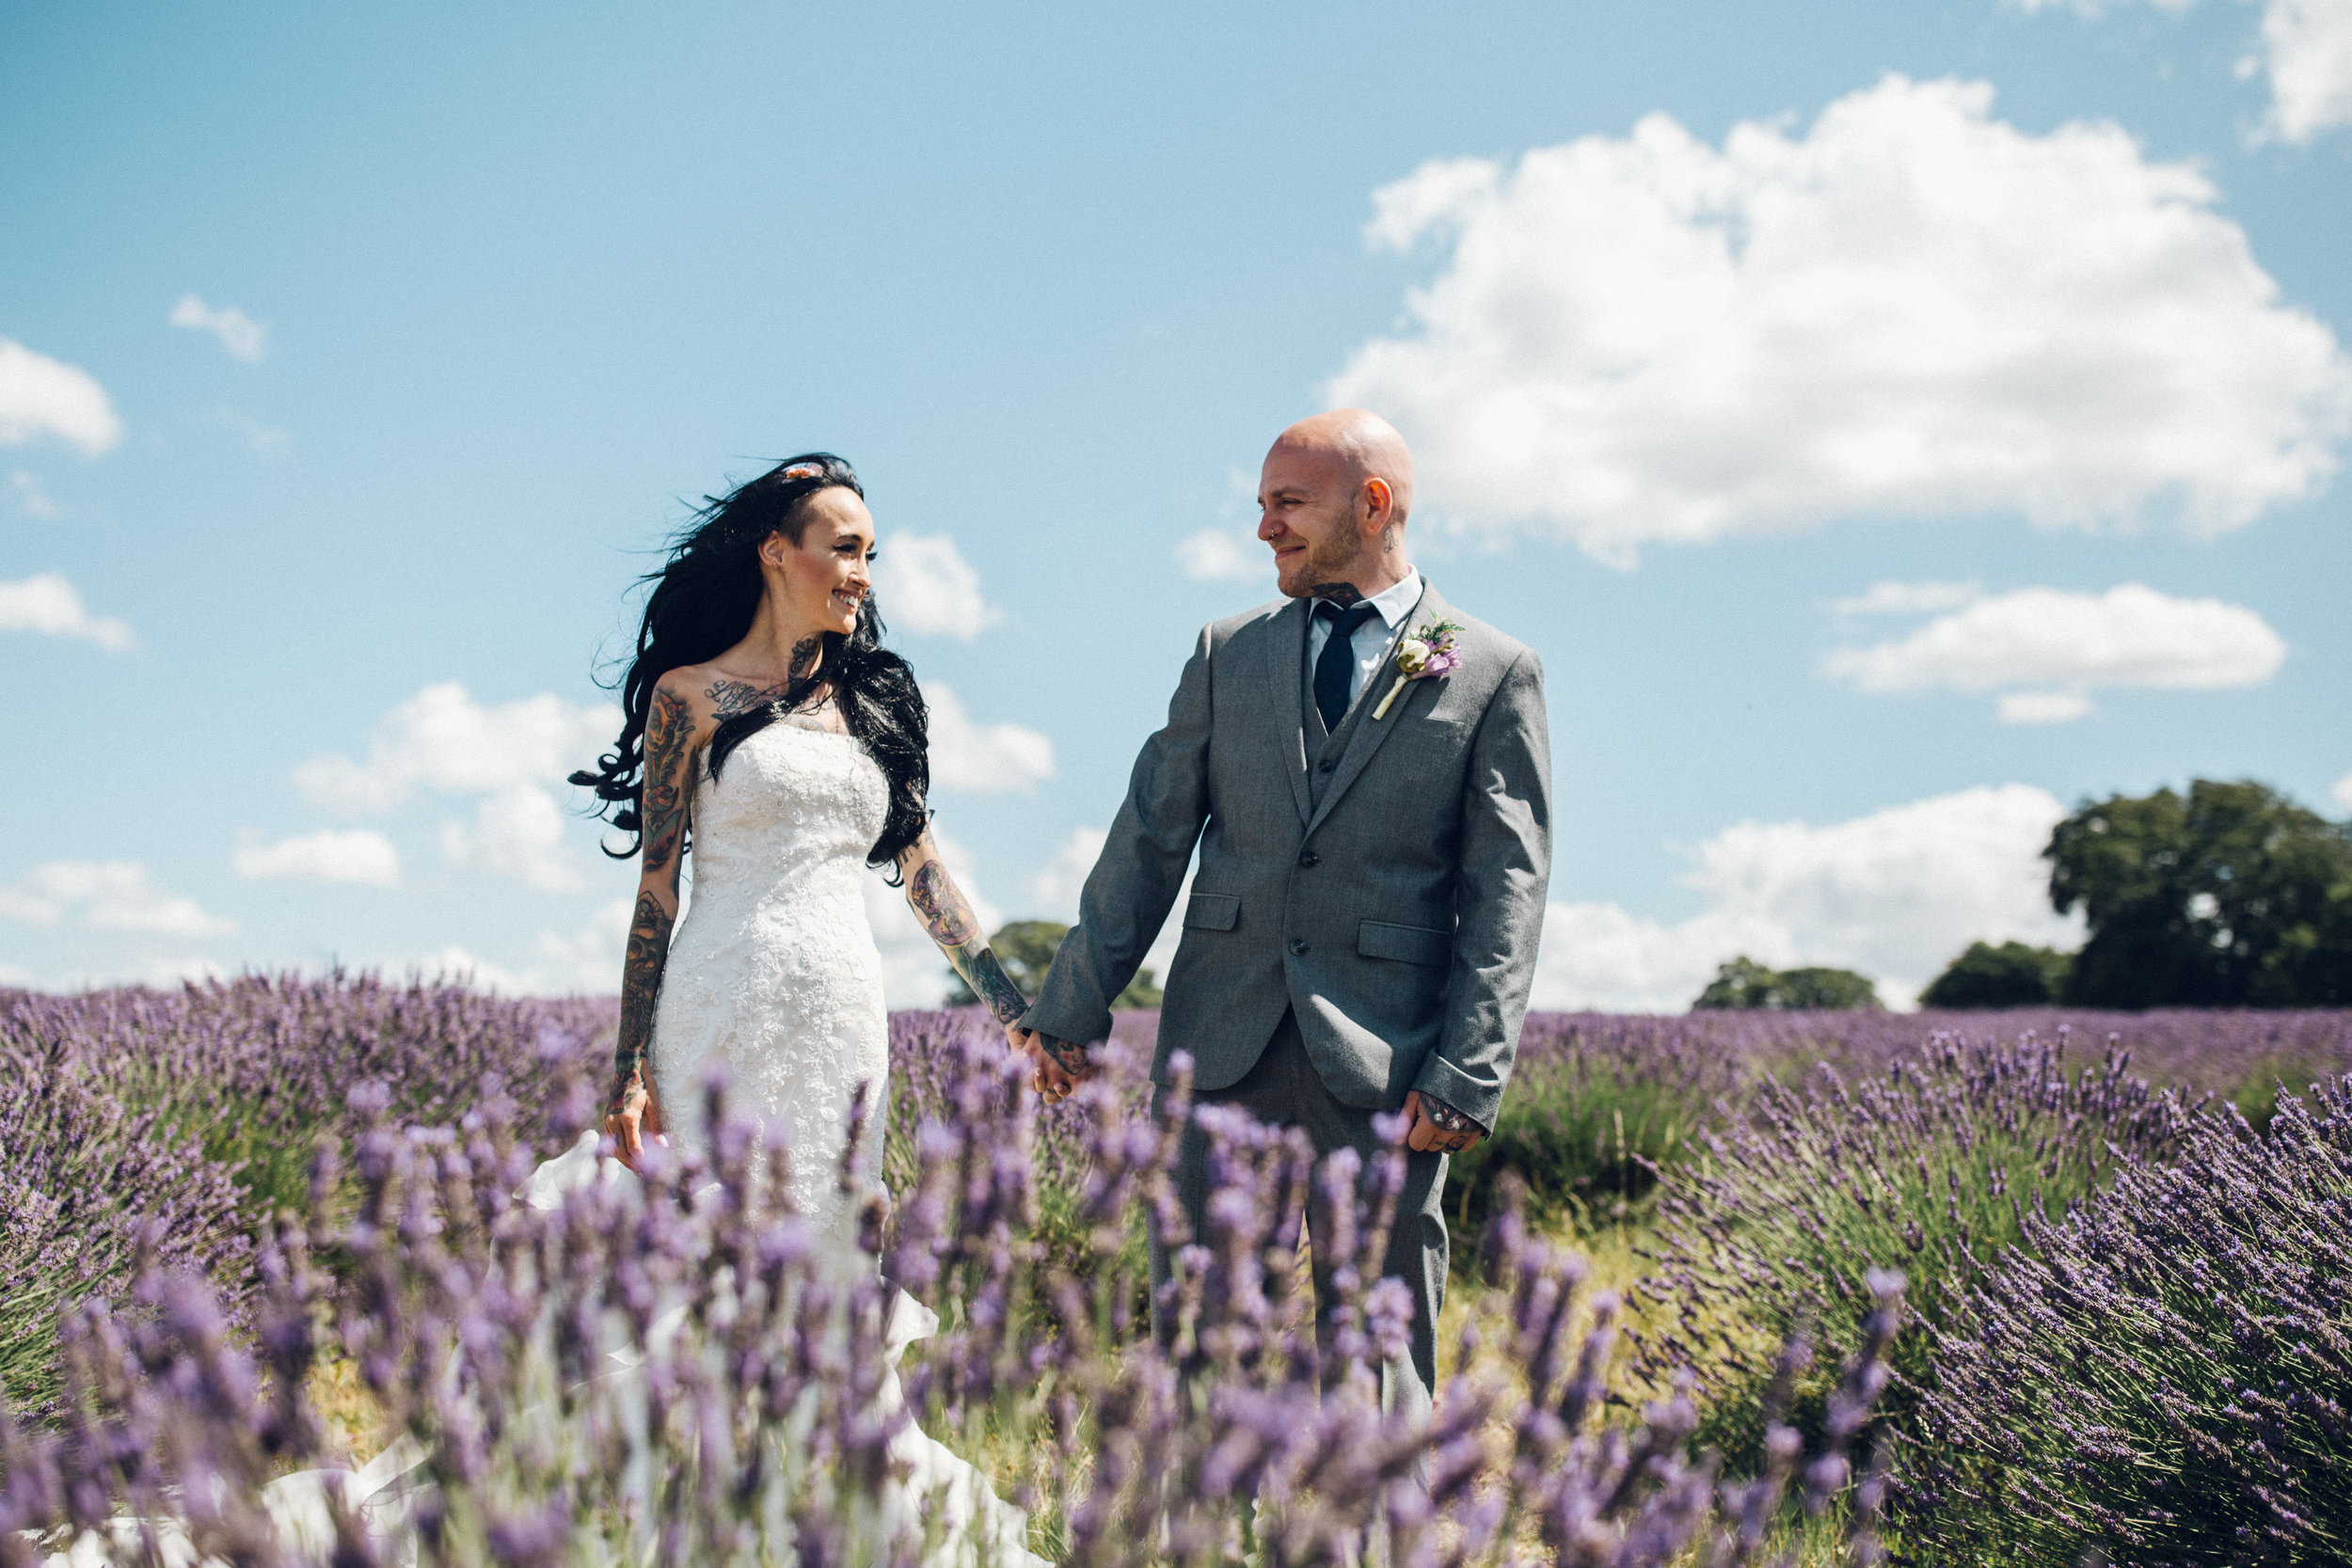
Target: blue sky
352,365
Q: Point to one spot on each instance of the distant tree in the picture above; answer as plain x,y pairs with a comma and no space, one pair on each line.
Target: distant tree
1027,949
2014,974
2230,897
1745,982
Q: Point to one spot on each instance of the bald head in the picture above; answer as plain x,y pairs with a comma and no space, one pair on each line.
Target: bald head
1332,499
1367,445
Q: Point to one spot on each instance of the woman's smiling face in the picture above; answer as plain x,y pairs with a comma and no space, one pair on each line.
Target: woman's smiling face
829,573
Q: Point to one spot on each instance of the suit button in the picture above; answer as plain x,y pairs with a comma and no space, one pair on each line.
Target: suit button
1307,861
1324,767
1298,947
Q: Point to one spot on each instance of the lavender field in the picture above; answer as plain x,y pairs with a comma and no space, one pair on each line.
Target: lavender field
1731,1287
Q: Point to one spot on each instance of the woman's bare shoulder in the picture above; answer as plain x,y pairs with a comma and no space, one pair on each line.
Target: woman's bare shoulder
691,690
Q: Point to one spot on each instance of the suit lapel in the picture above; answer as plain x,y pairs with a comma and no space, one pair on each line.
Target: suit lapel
1369,736
1286,701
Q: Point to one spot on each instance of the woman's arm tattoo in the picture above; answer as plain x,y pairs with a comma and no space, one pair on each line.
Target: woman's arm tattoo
669,735
986,975
641,982
950,923
945,915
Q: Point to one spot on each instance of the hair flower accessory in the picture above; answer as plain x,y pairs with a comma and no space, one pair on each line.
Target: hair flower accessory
1424,653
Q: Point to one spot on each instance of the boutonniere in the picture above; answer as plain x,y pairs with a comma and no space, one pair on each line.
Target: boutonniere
1424,653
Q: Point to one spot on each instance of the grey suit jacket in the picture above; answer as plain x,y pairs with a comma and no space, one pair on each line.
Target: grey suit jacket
1385,882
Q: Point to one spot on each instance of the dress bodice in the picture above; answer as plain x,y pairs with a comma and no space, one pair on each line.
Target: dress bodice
796,808
772,973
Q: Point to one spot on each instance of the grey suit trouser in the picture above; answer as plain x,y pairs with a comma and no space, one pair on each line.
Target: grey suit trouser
1285,1088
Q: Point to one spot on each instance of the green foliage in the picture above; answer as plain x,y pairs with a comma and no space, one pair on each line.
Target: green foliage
1745,982
1587,1133
1027,949
2230,897
2014,974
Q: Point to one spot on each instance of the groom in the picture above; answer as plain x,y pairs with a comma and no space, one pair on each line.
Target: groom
1362,932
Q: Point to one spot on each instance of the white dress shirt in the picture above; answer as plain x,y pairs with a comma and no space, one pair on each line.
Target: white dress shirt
1371,642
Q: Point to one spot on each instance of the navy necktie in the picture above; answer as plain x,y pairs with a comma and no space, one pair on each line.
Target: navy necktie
1338,660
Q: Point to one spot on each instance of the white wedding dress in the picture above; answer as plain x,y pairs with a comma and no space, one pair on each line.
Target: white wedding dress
774,972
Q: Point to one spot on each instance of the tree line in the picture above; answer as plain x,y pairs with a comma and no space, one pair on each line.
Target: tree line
2229,895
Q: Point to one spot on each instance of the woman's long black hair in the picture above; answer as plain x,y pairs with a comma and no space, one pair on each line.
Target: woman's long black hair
701,604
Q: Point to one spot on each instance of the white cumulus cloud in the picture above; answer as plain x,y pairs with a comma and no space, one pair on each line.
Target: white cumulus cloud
924,585
1909,598
1895,895
360,856
984,759
32,498
50,604
586,962
2303,47
517,831
45,398
2089,7
239,333
443,739
2342,792
105,895
1911,308
2042,707
1224,555
2306,50
2052,646
1054,887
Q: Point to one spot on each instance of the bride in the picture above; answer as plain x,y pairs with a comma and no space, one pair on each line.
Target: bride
768,731
767,726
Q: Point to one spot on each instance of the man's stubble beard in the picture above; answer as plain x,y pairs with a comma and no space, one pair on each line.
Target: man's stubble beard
1327,577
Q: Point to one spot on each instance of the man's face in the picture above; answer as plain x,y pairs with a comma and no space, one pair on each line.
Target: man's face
1307,512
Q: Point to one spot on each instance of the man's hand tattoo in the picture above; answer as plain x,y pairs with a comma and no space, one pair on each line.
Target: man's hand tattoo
1072,1060
1445,1118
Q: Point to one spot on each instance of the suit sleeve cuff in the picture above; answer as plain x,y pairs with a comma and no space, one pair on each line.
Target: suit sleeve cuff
1067,1024
1479,1102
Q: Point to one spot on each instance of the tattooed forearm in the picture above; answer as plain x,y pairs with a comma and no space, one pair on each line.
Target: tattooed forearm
669,732
985,974
950,922
945,915
641,981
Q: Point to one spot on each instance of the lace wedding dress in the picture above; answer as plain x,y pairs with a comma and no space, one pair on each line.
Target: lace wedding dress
774,973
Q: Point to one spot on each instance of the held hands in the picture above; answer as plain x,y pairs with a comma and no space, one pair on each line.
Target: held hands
1439,1126
1062,1067
633,1115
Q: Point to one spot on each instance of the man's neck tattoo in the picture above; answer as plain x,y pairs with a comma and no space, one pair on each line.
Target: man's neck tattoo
1340,594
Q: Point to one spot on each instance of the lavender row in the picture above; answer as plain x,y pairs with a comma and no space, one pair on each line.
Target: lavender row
2165,1374
173,1122
691,1372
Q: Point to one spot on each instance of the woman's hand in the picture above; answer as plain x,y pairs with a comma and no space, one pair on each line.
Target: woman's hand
635,1116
